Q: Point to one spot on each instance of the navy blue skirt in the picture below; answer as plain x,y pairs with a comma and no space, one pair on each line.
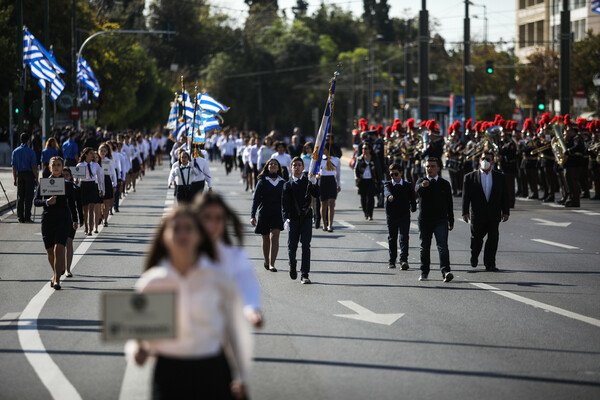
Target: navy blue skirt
328,187
265,224
89,192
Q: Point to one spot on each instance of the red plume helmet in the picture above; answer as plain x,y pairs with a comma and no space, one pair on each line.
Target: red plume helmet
410,124
379,129
469,124
528,125
423,124
498,120
388,130
363,124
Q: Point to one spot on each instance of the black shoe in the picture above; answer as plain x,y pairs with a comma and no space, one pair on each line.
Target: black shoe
549,199
293,272
28,221
21,220
562,201
423,277
473,262
533,197
391,265
272,269
448,277
110,212
585,195
571,204
404,265
51,284
492,269
304,280
116,210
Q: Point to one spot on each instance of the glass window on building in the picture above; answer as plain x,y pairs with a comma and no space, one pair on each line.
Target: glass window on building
522,38
539,32
530,34
522,4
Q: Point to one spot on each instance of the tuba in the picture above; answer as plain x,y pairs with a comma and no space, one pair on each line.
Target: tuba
491,141
559,148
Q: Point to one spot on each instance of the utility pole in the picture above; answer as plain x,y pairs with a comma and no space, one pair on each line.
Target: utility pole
407,72
466,62
45,113
74,47
424,62
20,69
565,59
370,96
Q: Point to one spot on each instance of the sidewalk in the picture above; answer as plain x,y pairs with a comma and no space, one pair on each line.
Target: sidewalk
6,178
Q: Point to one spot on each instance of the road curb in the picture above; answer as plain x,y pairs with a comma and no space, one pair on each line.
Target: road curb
8,206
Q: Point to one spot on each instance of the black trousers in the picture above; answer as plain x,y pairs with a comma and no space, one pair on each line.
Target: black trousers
195,378
300,230
479,230
398,225
366,188
117,195
572,176
228,163
25,193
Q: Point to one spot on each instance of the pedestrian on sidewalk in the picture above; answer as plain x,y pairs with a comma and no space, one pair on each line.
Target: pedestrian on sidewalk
485,202
436,217
217,216
267,203
25,175
399,203
298,194
208,313
58,219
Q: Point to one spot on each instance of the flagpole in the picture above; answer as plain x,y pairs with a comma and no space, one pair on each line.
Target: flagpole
191,141
20,68
184,115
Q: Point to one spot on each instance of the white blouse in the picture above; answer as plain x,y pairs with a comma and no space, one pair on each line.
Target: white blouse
337,172
187,171
201,166
209,317
97,174
285,160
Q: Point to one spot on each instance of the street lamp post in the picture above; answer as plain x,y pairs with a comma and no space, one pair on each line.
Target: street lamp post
424,62
467,61
596,81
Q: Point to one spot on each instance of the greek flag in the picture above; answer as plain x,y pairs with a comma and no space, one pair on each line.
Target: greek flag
86,76
188,107
172,121
209,104
43,65
182,128
596,6
317,156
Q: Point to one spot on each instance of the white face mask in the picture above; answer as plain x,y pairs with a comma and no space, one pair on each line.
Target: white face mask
485,165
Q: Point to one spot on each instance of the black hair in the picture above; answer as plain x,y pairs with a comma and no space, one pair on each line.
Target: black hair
265,171
435,160
397,167
24,138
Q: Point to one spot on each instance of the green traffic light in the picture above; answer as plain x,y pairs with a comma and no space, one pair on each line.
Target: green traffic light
541,107
490,70
16,110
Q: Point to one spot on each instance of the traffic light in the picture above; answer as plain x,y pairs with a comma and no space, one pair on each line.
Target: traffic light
16,110
489,66
540,100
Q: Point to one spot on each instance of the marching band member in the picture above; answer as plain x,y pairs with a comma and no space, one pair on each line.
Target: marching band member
267,203
529,162
574,162
58,218
508,160
594,152
453,150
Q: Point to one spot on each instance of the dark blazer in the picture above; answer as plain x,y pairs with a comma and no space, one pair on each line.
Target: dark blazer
374,165
475,203
435,201
404,199
65,204
301,193
267,199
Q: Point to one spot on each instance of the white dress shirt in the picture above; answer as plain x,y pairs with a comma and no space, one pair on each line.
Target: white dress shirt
208,315
235,263
200,165
486,183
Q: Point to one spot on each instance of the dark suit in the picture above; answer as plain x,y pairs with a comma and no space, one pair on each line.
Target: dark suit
397,214
485,215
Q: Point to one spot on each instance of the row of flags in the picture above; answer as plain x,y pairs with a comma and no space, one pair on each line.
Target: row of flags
194,118
45,68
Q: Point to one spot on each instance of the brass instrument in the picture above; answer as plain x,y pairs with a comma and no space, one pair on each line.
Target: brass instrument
559,148
541,148
595,148
491,140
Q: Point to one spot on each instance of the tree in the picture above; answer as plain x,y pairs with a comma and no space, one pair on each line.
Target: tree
543,70
586,64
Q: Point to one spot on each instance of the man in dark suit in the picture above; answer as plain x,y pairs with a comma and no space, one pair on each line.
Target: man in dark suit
399,202
485,203
436,217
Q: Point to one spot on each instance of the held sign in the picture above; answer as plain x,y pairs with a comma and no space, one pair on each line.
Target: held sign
52,186
106,166
142,316
78,172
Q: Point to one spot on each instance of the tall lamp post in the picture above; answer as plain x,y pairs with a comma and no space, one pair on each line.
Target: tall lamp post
424,62
596,81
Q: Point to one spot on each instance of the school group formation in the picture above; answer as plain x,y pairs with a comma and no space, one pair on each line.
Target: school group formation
98,169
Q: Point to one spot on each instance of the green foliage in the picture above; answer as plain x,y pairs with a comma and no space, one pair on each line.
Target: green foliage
586,65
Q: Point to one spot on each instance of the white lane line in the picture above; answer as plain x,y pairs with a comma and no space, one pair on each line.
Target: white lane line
31,342
564,246
537,304
383,244
414,226
346,224
9,318
586,212
137,381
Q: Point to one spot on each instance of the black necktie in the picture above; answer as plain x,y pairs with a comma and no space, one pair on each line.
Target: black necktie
90,170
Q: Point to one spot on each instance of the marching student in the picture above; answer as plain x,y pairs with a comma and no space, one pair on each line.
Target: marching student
89,189
119,158
265,152
136,161
436,217
203,178
110,180
58,218
228,154
253,160
399,203
208,313
217,216
182,173
267,202
296,201
100,184
284,159
307,151
330,184
77,197
367,174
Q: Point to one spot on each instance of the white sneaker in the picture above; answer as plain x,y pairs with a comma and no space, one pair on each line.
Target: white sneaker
423,277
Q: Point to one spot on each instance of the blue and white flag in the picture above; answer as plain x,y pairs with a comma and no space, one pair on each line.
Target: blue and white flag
188,107
317,156
172,121
42,64
86,76
182,129
209,104
596,6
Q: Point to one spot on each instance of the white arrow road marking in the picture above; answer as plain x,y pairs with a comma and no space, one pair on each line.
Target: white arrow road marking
537,304
564,246
586,212
9,318
364,314
545,222
346,224
383,244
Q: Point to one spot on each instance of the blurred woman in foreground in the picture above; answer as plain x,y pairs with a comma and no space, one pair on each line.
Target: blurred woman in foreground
208,314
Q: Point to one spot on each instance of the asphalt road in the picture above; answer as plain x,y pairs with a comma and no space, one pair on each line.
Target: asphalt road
531,331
